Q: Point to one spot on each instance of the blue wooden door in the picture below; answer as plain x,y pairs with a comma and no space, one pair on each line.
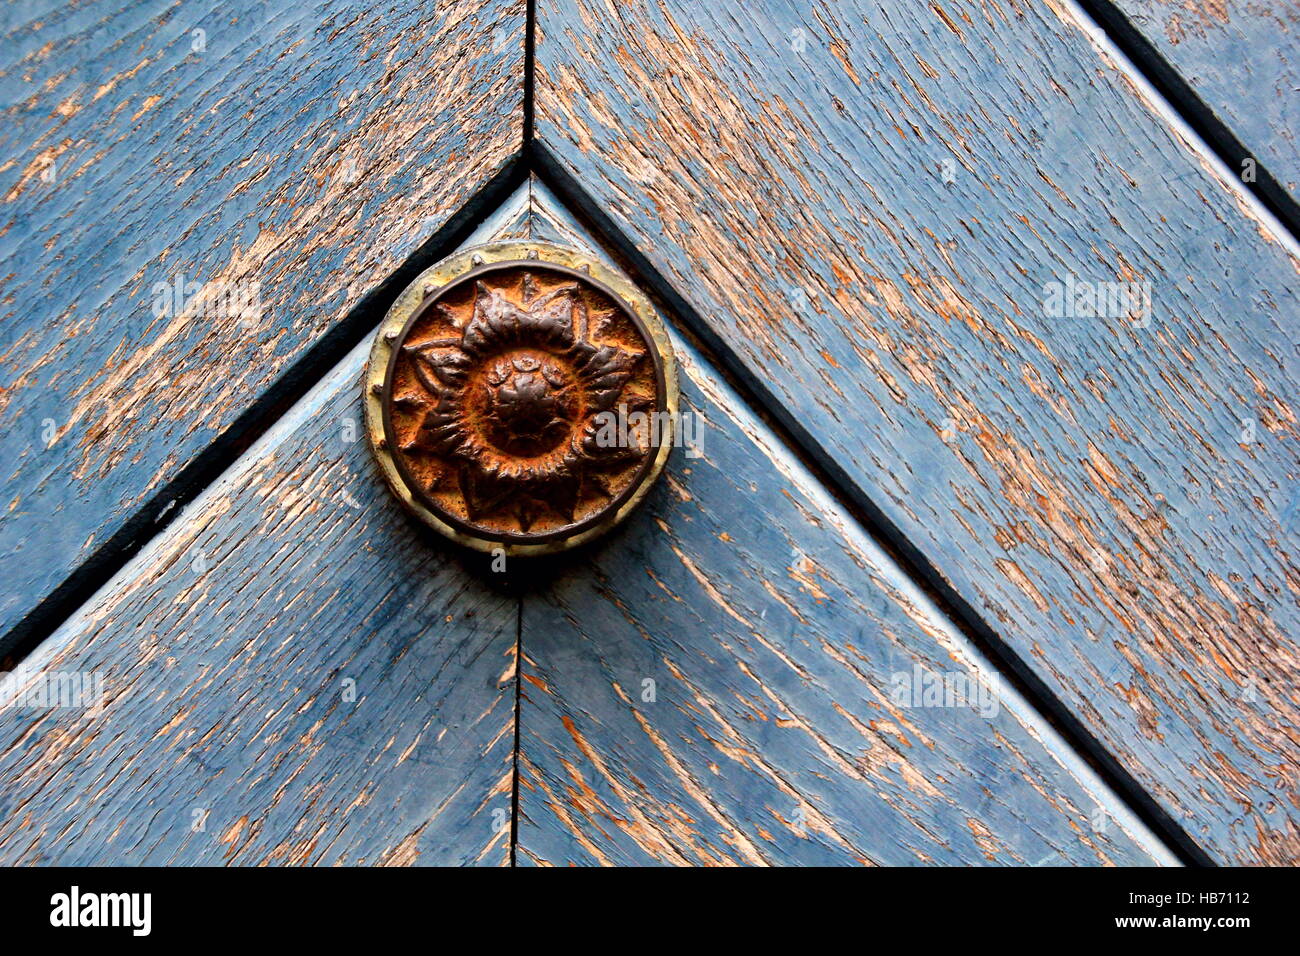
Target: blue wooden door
982,550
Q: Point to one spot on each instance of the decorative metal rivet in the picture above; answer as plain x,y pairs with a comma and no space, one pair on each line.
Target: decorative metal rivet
529,400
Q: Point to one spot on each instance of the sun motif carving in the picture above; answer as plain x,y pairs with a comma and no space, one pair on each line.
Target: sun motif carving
498,395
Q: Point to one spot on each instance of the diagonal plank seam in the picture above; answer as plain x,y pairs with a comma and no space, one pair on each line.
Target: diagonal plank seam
163,507
1147,61
759,399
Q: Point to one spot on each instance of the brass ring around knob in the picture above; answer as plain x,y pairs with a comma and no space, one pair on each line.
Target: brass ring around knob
521,396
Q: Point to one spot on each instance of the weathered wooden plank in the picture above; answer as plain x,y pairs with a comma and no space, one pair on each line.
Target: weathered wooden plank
189,199
1242,60
292,665
729,680
869,206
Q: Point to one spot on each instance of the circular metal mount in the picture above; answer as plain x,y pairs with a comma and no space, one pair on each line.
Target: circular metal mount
521,396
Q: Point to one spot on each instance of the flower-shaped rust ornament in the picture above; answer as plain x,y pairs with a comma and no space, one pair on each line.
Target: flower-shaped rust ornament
521,396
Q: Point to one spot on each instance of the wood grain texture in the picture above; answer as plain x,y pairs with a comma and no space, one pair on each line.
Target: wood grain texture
292,663
307,147
1243,60
866,204
718,683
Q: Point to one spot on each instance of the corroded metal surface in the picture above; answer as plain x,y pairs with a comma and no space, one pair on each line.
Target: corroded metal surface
518,399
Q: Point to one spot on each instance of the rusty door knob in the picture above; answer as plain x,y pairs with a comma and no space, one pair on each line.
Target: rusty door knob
521,396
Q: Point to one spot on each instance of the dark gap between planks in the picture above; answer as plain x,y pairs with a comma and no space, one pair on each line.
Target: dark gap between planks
863,510
1189,106
154,516
530,69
